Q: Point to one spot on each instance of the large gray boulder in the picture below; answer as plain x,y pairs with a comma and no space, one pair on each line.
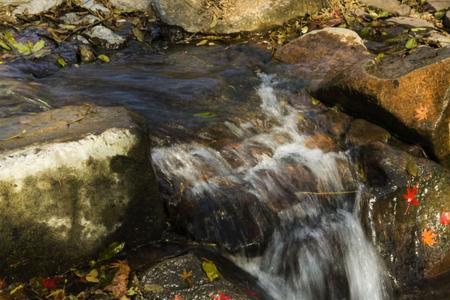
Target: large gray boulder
228,16
71,181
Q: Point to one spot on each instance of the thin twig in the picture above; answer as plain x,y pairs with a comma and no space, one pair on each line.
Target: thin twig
326,193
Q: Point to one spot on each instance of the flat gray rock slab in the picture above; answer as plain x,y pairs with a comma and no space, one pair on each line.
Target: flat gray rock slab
411,22
71,181
392,6
439,4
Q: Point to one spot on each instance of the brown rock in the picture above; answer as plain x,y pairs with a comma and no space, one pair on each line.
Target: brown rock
396,229
407,95
362,132
322,54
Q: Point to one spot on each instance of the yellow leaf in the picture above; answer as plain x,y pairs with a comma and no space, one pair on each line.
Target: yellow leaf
92,276
16,289
202,43
104,58
411,167
210,269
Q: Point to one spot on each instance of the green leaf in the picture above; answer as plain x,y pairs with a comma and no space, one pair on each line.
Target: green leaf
205,114
439,14
379,57
214,21
104,58
210,270
4,45
112,250
61,62
411,167
314,101
411,43
39,45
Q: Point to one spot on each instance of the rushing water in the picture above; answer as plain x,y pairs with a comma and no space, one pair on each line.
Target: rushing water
263,185
319,250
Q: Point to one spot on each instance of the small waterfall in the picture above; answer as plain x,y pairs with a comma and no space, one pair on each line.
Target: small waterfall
274,189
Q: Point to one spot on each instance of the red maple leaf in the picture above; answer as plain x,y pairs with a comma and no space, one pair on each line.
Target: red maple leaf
445,218
410,197
50,283
220,296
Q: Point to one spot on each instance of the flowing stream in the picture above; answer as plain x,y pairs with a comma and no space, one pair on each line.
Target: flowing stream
243,170
319,250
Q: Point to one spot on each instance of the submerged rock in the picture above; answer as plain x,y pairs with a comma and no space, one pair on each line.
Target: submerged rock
72,180
397,229
232,16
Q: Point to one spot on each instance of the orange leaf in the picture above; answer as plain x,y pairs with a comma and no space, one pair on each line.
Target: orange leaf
428,237
178,297
119,284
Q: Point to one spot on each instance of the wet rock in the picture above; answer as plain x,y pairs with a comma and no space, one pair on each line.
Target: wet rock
232,16
362,132
439,4
132,5
93,6
75,19
105,37
72,180
408,95
335,50
447,19
35,7
164,281
392,6
411,22
397,229
437,38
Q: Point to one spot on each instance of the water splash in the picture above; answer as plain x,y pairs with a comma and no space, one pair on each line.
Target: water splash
318,249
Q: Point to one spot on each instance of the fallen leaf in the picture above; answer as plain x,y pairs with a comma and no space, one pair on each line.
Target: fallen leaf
112,250
205,114
178,297
411,167
104,58
61,62
119,284
92,276
210,270
202,43
154,288
421,113
138,34
220,296
445,218
50,283
411,43
428,237
186,277
410,197
2,283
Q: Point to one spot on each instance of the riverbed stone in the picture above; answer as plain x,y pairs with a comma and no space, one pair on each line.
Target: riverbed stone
232,16
392,6
165,281
105,37
395,229
439,4
132,5
34,7
71,181
335,50
407,95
